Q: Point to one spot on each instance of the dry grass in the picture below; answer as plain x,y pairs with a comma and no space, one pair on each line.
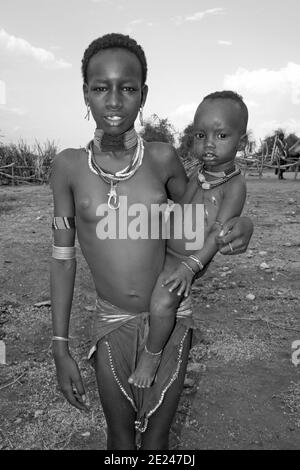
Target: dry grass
6,203
291,399
44,419
228,347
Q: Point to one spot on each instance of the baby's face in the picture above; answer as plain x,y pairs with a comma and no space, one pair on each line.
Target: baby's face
217,132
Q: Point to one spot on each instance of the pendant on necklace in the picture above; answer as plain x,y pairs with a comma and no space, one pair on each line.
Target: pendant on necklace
112,196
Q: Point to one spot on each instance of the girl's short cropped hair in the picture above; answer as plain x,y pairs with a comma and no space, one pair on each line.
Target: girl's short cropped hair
230,95
114,40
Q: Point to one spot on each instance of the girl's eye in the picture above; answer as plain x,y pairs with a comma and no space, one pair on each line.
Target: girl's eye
128,88
100,89
222,135
199,135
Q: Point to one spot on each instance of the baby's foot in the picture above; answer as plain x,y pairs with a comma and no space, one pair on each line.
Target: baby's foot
146,369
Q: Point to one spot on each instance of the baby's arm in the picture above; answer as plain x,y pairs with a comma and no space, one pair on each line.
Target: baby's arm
231,206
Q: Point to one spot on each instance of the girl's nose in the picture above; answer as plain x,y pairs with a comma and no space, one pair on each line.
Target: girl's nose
114,100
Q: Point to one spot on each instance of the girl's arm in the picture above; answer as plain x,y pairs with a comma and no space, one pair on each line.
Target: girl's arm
62,278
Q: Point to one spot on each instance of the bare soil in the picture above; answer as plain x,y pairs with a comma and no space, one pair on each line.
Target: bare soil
242,389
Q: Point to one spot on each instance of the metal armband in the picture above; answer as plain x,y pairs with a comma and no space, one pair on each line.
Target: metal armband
63,252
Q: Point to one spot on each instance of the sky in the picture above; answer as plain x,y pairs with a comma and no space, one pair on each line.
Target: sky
193,47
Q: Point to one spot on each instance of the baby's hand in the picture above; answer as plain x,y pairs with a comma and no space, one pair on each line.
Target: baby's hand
182,280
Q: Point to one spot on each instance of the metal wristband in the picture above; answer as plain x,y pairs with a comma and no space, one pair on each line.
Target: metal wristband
197,261
60,338
188,267
63,252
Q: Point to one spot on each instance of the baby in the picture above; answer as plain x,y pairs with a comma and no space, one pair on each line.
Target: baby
220,126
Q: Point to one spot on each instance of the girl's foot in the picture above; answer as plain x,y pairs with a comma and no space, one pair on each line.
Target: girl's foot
146,369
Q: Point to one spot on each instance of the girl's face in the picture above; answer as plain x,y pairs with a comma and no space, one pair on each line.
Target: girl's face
217,133
114,90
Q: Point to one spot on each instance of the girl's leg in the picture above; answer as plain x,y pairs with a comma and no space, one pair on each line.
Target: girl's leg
118,411
163,308
156,436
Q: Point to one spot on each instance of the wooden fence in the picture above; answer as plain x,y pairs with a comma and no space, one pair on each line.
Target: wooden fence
11,174
258,162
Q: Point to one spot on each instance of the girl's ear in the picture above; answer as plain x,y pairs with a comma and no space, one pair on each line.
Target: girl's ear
243,141
144,94
85,92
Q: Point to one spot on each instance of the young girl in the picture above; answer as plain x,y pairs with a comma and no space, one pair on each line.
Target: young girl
220,126
98,184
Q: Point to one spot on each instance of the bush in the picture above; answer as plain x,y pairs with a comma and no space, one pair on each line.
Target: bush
30,164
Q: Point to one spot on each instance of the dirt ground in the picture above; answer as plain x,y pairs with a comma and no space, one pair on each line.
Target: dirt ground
242,389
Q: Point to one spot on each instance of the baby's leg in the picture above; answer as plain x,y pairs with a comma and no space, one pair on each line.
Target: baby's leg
163,308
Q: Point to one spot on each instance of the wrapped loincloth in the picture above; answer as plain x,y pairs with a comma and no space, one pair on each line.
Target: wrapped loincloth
125,336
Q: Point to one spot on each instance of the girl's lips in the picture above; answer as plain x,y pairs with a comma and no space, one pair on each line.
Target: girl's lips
113,120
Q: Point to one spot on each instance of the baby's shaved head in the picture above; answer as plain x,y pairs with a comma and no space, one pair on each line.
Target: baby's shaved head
236,98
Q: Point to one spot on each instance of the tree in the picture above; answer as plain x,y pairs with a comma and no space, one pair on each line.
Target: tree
158,130
291,139
269,140
185,144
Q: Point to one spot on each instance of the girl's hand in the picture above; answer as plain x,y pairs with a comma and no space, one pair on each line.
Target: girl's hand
69,380
181,280
235,236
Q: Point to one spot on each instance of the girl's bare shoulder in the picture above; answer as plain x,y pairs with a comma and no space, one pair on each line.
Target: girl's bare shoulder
68,158
163,152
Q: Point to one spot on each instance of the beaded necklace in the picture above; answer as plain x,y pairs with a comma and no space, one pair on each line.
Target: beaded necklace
114,178
222,177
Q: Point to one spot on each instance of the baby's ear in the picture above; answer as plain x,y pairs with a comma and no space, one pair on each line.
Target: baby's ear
243,141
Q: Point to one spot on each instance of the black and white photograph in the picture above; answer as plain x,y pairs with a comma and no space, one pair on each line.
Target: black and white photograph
149,228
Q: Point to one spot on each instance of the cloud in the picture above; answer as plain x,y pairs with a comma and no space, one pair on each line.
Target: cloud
187,109
138,21
222,42
183,115
13,110
15,45
198,16
289,125
2,92
285,81
252,103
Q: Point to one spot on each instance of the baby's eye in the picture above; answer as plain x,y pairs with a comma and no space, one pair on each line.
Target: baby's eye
199,135
222,135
